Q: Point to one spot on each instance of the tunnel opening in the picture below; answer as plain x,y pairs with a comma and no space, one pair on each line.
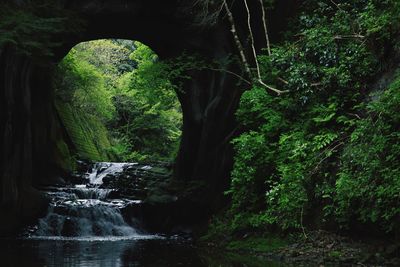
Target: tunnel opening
117,103
119,122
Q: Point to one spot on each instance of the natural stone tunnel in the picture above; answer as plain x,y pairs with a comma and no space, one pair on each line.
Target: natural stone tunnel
29,126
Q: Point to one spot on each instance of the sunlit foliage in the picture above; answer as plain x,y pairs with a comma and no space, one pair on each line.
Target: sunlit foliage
126,86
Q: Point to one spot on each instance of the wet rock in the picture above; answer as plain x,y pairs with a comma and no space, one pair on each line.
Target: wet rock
68,227
83,166
77,178
114,194
64,210
109,179
97,230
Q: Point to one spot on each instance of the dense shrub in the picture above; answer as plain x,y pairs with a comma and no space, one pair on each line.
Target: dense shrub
320,153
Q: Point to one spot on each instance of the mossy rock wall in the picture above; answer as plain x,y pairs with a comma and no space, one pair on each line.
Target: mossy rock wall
63,157
88,135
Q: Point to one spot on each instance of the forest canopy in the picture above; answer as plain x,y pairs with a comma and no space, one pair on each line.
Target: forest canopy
118,86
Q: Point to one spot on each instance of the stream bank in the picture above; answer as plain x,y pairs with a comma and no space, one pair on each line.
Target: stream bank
125,213
313,248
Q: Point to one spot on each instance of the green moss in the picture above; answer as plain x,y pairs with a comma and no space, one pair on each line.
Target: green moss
63,157
238,252
335,254
218,258
257,244
87,133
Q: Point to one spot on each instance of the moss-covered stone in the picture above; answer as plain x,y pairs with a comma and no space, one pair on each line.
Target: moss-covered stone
257,244
63,157
87,133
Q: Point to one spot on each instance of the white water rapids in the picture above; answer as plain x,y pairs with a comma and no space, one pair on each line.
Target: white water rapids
86,212
102,169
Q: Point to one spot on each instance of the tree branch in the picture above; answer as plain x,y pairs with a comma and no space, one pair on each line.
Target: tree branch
339,37
337,5
265,28
279,92
255,54
237,40
252,39
283,80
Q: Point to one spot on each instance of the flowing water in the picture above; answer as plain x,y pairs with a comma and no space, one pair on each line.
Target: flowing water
85,211
102,169
84,226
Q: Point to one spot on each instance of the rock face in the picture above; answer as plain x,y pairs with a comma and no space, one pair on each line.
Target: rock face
28,129
29,124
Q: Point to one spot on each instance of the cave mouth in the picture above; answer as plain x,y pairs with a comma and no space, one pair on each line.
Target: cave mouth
35,141
120,123
116,103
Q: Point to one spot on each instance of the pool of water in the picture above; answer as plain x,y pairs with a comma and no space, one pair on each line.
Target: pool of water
101,253
85,227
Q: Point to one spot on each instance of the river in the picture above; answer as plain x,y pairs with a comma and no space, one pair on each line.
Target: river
85,227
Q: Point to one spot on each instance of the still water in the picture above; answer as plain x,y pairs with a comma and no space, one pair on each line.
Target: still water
85,227
101,253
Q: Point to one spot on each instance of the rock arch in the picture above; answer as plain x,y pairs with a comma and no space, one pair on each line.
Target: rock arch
28,123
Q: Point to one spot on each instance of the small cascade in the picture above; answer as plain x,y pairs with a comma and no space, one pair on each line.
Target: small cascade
83,192
86,221
102,169
86,210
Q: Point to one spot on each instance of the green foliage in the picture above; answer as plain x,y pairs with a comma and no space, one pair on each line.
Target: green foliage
256,244
317,153
31,27
129,91
62,156
368,183
108,58
149,117
80,83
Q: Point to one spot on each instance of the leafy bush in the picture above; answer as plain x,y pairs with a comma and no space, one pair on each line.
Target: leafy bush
368,183
319,153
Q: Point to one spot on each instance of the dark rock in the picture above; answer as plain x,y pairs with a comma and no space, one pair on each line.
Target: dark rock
393,250
97,230
114,194
65,210
77,178
83,166
109,179
69,227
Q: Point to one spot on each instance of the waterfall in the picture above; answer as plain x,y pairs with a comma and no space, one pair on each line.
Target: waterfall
86,211
102,169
